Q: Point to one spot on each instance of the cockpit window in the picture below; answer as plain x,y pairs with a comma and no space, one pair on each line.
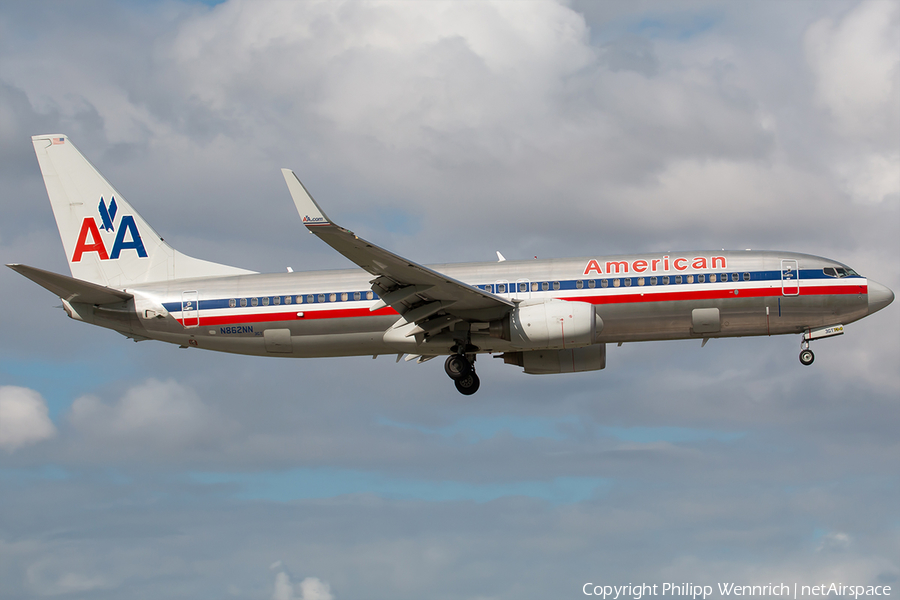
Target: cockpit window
839,272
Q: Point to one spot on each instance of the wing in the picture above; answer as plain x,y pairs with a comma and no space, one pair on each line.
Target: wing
423,296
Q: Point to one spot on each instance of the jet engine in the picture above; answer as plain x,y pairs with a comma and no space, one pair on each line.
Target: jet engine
547,324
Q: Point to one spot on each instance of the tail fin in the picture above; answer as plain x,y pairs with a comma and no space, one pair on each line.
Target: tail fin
106,241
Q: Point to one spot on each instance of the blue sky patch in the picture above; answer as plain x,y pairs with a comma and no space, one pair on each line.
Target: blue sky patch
300,484
61,382
476,429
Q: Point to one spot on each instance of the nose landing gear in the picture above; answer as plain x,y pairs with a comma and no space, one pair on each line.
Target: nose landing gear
807,357
462,371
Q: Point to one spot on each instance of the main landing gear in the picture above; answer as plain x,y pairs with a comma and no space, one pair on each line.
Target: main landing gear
462,371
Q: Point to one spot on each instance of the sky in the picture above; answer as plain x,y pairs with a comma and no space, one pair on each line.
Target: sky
447,132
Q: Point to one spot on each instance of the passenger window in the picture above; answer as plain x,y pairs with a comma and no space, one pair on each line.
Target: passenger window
640,281
734,276
534,287
276,300
232,303
370,295
592,283
357,295
701,278
665,280
678,279
653,280
579,284
616,283
254,301
545,285
523,287
746,276
501,288
555,285
243,302
266,301
332,297
321,297
690,278
627,281
604,283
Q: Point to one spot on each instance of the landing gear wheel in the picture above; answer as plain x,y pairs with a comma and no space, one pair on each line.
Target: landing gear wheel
457,366
807,357
468,383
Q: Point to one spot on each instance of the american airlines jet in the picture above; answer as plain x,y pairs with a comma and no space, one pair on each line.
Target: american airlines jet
546,316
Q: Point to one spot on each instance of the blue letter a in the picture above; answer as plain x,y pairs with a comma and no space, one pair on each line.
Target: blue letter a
127,224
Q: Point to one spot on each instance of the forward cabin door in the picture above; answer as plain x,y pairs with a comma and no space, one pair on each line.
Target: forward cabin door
190,308
790,278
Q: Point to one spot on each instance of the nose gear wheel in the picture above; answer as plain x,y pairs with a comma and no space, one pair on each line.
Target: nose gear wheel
807,357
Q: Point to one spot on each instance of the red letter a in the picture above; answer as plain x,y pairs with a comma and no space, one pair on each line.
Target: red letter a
81,246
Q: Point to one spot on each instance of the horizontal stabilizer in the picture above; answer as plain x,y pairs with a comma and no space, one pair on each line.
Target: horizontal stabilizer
71,289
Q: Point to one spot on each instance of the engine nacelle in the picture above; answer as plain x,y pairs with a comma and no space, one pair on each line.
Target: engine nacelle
549,324
545,362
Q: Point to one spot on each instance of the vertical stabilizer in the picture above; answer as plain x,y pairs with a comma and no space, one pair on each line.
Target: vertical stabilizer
106,241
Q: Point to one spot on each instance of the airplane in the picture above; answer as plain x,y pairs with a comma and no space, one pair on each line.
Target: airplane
545,316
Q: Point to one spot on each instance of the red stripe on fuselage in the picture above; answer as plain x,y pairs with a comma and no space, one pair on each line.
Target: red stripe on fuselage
340,313
719,294
648,296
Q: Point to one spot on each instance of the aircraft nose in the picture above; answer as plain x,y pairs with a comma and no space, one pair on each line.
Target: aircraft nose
879,296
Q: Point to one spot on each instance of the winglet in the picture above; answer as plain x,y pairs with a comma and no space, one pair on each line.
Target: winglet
309,211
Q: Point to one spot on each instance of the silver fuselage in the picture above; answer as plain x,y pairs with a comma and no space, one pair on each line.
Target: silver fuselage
638,298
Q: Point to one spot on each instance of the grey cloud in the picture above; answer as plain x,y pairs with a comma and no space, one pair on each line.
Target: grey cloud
567,132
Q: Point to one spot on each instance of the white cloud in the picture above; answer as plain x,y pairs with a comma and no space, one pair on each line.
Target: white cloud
856,64
311,588
872,178
163,414
834,541
49,577
24,418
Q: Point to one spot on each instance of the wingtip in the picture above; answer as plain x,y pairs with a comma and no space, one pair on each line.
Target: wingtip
309,210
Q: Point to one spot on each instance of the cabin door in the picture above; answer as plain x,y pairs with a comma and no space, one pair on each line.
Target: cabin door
190,309
790,278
